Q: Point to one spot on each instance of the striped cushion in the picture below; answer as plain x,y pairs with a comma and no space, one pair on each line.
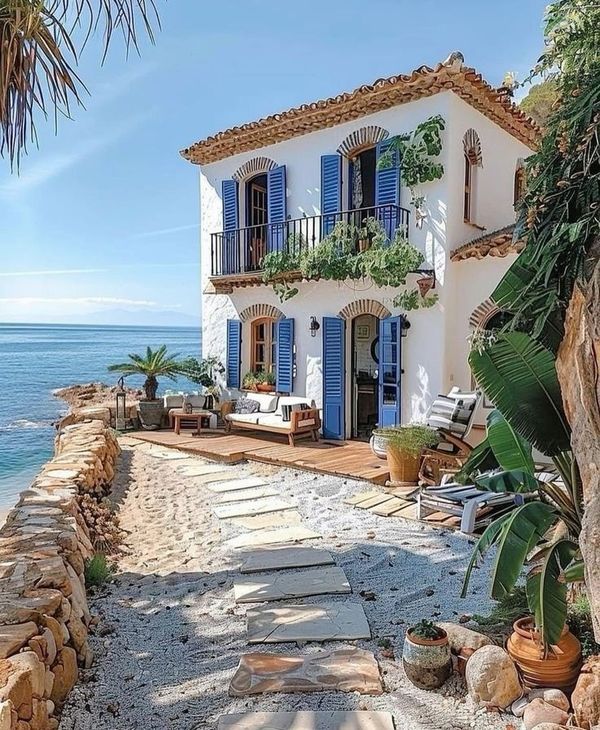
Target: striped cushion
451,413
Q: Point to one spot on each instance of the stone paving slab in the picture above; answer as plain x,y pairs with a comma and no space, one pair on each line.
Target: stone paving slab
341,670
200,469
285,557
256,507
246,494
296,584
233,485
307,622
203,480
169,455
294,533
308,720
271,519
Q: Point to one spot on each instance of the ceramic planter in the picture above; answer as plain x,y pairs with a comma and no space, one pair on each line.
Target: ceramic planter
560,668
378,445
265,388
151,414
404,467
427,662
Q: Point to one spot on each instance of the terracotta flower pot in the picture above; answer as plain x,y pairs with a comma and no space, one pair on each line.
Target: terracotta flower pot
404,467
560,668
265,388
427,662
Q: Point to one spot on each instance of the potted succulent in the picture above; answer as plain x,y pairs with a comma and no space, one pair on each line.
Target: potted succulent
152,365
265,382
426,655
404,446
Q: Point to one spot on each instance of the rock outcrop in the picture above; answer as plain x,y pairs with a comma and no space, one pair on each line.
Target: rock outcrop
44,546
492,678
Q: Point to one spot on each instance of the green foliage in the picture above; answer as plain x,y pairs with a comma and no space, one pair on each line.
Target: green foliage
257,377
410,439
417,151
97,571
204,372
511,450
152,365
579,619
426,630
515,481
540,101
506,611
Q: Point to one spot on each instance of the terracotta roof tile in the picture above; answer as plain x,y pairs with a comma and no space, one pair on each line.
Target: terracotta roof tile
367,99
497,243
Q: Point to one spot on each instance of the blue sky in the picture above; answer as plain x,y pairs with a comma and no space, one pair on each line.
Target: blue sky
104,216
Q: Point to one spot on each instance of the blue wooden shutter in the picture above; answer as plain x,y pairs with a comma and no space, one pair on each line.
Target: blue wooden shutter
331,190
230,248
276,208
334,377
234,352
284,362
390,371
387,189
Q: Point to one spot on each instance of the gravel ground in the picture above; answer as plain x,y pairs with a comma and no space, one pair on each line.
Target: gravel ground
169,634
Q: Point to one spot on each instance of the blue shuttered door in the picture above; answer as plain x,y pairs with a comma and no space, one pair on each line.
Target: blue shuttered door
234,352
387,190
331,191
333,377
284,367
276,208
390,371
230,250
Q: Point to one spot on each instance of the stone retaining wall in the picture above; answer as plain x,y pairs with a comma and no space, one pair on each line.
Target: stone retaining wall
44,545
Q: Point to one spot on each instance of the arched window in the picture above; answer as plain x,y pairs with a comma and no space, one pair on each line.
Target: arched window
472,160
262,357
519,185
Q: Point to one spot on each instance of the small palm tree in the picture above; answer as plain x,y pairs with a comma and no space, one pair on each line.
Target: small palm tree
154,364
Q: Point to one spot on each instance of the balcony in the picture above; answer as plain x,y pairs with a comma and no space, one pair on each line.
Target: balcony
236,256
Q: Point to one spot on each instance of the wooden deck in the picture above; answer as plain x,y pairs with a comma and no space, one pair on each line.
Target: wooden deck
352,459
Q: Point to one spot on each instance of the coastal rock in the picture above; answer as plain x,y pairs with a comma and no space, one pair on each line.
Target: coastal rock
586,695
538,711
460,637
492,679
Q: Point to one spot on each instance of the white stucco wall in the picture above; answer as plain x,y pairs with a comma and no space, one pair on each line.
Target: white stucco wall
434,352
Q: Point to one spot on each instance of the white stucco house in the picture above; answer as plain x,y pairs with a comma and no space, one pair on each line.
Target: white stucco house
263,182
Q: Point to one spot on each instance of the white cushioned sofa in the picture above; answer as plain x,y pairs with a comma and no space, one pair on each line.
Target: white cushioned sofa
272,416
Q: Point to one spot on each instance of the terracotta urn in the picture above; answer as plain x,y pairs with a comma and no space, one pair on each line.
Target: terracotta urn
427,662
404,467
560,666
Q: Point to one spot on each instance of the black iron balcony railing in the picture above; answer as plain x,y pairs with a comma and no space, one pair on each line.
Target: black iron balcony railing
241,250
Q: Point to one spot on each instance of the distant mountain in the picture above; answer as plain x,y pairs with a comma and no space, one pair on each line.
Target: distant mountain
135,318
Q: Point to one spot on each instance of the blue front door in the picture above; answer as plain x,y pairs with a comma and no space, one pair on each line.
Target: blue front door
334,377
390,371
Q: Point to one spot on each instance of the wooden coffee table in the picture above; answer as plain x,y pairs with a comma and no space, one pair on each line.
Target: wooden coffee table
197,416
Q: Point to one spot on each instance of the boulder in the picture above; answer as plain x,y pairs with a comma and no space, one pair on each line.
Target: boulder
492,679
538,711
586,695
13,638
460,637
554,697
65,674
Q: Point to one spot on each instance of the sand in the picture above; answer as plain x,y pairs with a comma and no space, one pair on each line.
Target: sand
170,634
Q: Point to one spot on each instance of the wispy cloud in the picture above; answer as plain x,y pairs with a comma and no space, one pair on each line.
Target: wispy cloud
79,301
47,169
166,231
52,272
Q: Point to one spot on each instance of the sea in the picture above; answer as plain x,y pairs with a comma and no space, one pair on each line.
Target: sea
36,360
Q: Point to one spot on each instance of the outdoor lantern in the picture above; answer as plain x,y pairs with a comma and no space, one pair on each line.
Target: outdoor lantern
404,327
314,326
121,410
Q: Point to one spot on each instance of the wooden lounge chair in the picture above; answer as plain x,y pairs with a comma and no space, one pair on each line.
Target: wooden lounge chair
452,415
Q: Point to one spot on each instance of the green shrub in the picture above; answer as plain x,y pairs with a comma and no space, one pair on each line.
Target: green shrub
579,619
410,439
97,571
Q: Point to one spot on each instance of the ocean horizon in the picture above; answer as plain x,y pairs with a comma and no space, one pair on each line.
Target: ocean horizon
37,359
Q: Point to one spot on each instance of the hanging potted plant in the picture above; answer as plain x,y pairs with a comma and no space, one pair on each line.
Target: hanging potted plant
404,446
152,365
426,655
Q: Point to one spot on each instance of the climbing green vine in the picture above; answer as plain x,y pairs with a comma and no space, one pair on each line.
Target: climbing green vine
348,252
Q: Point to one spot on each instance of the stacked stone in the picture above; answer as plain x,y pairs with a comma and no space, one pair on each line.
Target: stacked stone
44,545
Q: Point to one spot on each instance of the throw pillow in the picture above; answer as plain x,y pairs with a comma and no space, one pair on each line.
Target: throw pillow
246,405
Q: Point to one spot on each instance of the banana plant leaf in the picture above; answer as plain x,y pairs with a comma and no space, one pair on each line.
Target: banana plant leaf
519,376
481,459
575,572
547,590
485,542
515,480
522,531
511,450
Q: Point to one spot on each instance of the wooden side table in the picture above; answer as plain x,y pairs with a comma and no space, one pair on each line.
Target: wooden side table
179,416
